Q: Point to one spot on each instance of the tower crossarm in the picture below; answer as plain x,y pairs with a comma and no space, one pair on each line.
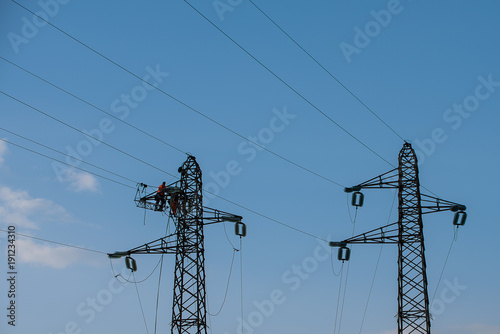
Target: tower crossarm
388,180
212,216
431,204
383,235
165,245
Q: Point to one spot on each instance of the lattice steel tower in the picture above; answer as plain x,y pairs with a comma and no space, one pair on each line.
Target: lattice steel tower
185,206
407,233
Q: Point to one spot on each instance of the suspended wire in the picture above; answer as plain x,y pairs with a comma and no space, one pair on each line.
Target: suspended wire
72,157
85,134
324,69
140,303
331,263
347,271
193,109
117,182
136,282
179,101
159,276
455,231
345,292
227,286
142,161
337,318
227,237
95,107
286,84
338,297
56,242
158,294
62,162
376,267
349,211
230,271
241,284
371,287
268,218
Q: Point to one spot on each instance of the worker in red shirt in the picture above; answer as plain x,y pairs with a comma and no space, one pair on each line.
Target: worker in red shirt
174,198
160,197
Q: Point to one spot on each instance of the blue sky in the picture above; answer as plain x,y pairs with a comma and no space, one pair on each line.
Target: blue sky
429,70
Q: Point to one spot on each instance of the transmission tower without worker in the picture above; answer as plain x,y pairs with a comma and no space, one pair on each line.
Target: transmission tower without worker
407,233
185,206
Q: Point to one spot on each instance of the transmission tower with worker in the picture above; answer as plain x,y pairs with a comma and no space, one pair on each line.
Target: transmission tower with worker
185,206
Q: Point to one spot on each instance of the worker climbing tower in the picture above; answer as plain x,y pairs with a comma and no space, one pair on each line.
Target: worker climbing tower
407,233
185,206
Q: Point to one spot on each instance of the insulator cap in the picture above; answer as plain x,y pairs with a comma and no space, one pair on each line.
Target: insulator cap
344,254
460,218
130,263
357,199
240,229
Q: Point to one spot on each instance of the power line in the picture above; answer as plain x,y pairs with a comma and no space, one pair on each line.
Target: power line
94,106
326,70
269,218
444,265
144,162
347,272
195,110
179,101
140,304
220,197
286,84
376,267
79,160
56,242
65,163
338,297
227,286
85,134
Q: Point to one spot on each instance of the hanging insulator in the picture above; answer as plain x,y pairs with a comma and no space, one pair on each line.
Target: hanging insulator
344,254
130,263
357,198
459,219
240,229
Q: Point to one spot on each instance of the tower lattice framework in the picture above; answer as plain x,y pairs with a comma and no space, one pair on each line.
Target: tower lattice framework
413,301
185,206
189,313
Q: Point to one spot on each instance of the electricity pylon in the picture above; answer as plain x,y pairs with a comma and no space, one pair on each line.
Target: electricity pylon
185,198
407,233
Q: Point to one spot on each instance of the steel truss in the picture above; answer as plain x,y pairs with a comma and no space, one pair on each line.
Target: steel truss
189,314
407,233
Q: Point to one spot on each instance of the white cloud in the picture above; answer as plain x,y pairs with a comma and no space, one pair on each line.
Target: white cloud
19,209
80,181
3,151
57,257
